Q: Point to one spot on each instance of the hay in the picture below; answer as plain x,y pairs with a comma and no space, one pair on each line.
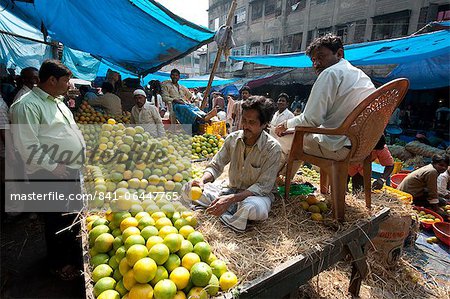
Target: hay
404,281
267,244
289,233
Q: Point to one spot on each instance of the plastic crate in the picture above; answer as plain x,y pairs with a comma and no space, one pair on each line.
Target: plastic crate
300,189
397,167
402,196
216,128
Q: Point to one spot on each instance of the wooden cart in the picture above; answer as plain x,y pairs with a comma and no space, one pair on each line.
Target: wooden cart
285,279
288,277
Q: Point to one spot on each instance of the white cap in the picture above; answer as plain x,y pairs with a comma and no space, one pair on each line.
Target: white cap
139,92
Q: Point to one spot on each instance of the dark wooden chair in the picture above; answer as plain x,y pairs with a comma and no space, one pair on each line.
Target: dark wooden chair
364,127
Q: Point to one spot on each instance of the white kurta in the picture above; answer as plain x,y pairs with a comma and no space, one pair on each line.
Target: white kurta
336,93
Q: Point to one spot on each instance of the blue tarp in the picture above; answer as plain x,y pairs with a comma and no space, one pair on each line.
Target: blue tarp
141,36
202,81
86,67
424,59
82,65
18,53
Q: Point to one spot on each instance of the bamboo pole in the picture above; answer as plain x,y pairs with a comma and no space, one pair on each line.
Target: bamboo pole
230,18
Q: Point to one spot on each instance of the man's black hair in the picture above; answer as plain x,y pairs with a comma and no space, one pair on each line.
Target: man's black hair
30,68
329,41
53,67
260,104
440,158
175,71
84,88
381,143
107,87
284,95
245,88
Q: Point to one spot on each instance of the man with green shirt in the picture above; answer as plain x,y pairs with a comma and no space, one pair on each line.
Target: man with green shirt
53,151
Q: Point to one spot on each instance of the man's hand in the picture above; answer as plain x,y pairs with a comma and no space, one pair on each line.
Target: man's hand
220,205
198,183
60,171
280,129
378,184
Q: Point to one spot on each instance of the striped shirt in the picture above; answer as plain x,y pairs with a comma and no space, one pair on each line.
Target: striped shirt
257,171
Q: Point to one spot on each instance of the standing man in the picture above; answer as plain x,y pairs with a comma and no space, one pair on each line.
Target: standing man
282,114
254,157
30,78
145,114
237,108
338,90
52,148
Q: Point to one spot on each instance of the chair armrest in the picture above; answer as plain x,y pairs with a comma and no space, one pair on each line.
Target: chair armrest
325,131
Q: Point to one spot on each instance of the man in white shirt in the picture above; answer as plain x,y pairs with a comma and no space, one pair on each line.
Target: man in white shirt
338,90
282,114
29,77
145,114
442,184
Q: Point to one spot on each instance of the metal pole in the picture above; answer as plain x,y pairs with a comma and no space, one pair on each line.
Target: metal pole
219,54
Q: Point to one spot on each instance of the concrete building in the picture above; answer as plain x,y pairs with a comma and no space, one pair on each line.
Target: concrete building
282,26
189,65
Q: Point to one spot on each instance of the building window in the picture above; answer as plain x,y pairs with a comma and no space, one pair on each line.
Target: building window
216,24
268,48
443,13
321,1
257,10
295,5
323,31
212,57
341,31
391,25
255,49
240,15
360,31
239,51
269,7
293,42
309,38
196,60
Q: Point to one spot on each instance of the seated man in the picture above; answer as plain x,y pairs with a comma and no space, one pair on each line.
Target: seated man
380,152
178,97
110,102
442,181
422,183
145,114
338,90
254,157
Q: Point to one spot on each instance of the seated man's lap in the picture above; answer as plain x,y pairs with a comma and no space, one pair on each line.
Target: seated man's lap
312,147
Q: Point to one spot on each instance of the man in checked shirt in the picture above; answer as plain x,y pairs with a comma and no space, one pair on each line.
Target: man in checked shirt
255,159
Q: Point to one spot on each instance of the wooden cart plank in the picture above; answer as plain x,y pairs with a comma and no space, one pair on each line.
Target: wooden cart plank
287,277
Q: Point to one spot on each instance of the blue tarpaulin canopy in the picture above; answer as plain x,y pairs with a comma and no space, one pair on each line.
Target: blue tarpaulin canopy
425,58
140,36
16,52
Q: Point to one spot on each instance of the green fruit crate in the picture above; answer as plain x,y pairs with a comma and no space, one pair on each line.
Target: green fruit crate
297,189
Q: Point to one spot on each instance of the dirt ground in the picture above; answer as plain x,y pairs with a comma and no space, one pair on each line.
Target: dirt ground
24,269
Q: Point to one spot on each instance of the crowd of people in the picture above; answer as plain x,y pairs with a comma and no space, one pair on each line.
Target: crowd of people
259,141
